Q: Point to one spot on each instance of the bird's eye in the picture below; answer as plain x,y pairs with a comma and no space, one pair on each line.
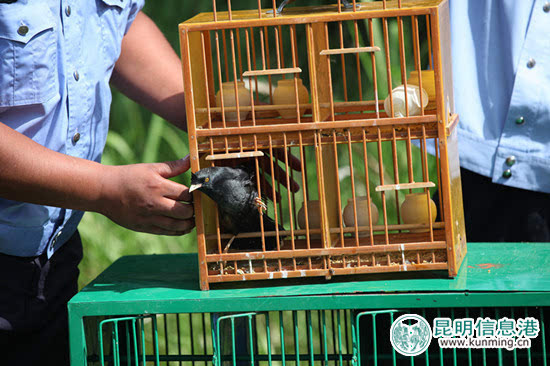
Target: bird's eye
206,180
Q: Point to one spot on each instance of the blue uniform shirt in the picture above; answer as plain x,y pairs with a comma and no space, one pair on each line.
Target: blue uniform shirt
56,59
501,76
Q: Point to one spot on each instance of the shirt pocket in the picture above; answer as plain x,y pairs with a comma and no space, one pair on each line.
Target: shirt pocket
28,54
114,17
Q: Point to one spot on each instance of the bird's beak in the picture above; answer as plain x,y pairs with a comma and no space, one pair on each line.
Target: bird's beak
194,187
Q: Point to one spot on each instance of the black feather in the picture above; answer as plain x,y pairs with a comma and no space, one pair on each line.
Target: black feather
234,191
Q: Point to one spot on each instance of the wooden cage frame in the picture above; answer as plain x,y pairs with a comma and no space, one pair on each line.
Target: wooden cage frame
324,128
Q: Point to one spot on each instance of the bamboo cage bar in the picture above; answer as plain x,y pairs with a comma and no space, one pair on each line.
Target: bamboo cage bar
268,63
302,232
353,194
388,65
373,63
418,65
342,61
383,193
206,87
395,173
277,237
258,178
294,64
426,178
235,85
252,100
329,76
338,197
288,195
308,139
316,252
225,63
367,184
281,48
403,64
245,130
357,60
254,63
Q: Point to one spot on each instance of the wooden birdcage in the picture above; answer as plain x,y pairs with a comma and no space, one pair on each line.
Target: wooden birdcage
355,156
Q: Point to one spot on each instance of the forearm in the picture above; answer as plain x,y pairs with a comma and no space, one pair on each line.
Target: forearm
30,172
149,71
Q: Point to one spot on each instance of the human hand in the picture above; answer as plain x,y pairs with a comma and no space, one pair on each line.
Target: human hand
140,197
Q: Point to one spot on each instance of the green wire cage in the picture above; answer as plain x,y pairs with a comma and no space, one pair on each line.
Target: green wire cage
148,310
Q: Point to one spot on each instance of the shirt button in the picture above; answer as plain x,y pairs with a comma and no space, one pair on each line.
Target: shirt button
68,11
531,63
23,30
76,137
76,76
507,173
52,244
546,7
511,160
520,120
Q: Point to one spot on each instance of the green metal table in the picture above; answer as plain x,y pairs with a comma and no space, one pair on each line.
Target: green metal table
493,275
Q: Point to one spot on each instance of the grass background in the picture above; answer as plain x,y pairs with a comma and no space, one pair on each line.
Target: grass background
138,136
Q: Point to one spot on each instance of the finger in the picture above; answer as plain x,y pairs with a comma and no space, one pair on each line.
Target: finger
174,168
267,190
281,177
160,231
178,210
171,224
293,162
177,192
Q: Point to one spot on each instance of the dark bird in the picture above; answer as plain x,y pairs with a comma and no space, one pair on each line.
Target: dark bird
345,3
235,193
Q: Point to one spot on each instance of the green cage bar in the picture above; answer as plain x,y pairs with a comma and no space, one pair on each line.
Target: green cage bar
149,310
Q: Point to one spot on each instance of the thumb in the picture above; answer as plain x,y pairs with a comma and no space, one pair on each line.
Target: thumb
174,168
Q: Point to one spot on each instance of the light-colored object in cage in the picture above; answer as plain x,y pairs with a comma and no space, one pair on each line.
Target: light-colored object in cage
414,210
413,99
229,99
362,213
313,215
285,94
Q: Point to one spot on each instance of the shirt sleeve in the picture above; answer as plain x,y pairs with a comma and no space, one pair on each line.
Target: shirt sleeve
135,8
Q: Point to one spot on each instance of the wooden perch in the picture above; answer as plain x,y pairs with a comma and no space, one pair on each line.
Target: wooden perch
238,155
397,187
341,51
292,70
